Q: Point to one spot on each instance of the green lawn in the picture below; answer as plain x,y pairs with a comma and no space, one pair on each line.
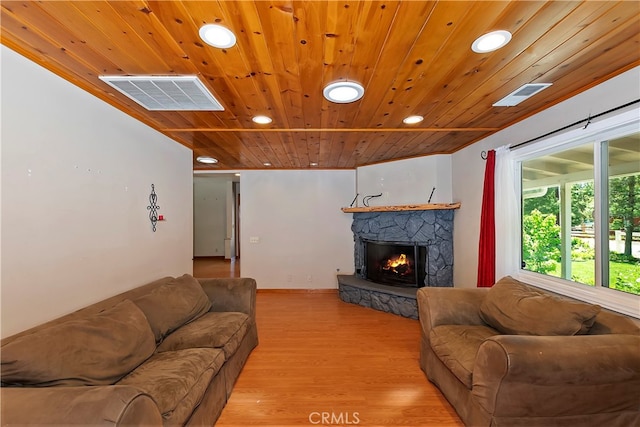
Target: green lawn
623,276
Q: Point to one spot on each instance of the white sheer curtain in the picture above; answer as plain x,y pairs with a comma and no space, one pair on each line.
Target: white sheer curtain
507,214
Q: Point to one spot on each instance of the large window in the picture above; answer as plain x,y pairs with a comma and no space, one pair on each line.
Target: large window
580,211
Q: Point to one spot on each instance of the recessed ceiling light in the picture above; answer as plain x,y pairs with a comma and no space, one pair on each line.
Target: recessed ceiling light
237,174
262,120
313,164
217,36
491,41
267,164
207,159
412,120
343,92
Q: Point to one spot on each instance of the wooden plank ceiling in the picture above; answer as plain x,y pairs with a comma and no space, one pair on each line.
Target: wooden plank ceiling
412,57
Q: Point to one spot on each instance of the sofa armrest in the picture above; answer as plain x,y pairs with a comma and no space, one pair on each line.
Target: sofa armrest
552,376
231,294
449,306
102,405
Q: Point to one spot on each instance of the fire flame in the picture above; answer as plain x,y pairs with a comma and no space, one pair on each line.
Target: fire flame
399,265
402,259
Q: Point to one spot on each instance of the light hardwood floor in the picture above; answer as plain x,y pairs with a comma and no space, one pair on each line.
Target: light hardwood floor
321,361
215,267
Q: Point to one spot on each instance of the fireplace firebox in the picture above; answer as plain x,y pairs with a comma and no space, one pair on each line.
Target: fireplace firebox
397,264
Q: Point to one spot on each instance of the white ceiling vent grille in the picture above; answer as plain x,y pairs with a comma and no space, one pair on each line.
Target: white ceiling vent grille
166,93
522,93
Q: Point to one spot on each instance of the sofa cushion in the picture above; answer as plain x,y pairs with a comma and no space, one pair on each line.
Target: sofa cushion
515,308
97,350
177,380
223,330
608,322
173,304
457,345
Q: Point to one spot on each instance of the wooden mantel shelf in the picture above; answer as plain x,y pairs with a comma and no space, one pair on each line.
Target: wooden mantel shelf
427,207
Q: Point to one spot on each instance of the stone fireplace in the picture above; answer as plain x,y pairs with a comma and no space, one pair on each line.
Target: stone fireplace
432,229
397,264
422,232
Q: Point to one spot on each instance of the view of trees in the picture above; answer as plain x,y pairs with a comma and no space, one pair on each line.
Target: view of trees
540,241
624,207
541,232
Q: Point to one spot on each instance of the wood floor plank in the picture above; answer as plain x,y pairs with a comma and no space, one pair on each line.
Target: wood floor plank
321,361
207,267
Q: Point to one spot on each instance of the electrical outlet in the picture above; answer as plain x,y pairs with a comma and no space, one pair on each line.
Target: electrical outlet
309,278
254,239
289,278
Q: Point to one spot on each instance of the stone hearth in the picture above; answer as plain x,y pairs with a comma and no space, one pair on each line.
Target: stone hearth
390,299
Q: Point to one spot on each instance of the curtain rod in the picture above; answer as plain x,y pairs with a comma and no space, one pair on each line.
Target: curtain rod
588,120
483,154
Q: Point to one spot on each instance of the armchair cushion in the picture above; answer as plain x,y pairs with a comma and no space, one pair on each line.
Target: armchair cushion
456,346
515,308
173,304
96,350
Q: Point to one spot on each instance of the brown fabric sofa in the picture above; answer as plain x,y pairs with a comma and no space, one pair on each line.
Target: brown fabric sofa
166,353
515,355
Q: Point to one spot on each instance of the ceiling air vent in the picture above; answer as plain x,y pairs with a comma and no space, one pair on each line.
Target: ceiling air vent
165,93
522,93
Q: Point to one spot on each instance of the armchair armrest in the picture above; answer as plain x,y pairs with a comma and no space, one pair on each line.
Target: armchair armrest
231,294
102,405
551,376
449,306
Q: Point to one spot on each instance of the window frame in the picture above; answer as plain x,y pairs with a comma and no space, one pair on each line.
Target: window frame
612,127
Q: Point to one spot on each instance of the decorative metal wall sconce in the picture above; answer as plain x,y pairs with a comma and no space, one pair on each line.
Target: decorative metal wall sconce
153,208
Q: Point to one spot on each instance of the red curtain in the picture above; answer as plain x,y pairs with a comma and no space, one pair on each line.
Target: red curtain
487,247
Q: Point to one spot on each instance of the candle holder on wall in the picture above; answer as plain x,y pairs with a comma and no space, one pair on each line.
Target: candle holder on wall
153,208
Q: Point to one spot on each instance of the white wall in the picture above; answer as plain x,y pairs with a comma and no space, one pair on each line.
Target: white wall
76,178
468,166
300,230
209,215
406,182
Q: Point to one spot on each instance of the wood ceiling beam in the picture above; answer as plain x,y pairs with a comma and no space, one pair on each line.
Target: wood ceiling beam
332,130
